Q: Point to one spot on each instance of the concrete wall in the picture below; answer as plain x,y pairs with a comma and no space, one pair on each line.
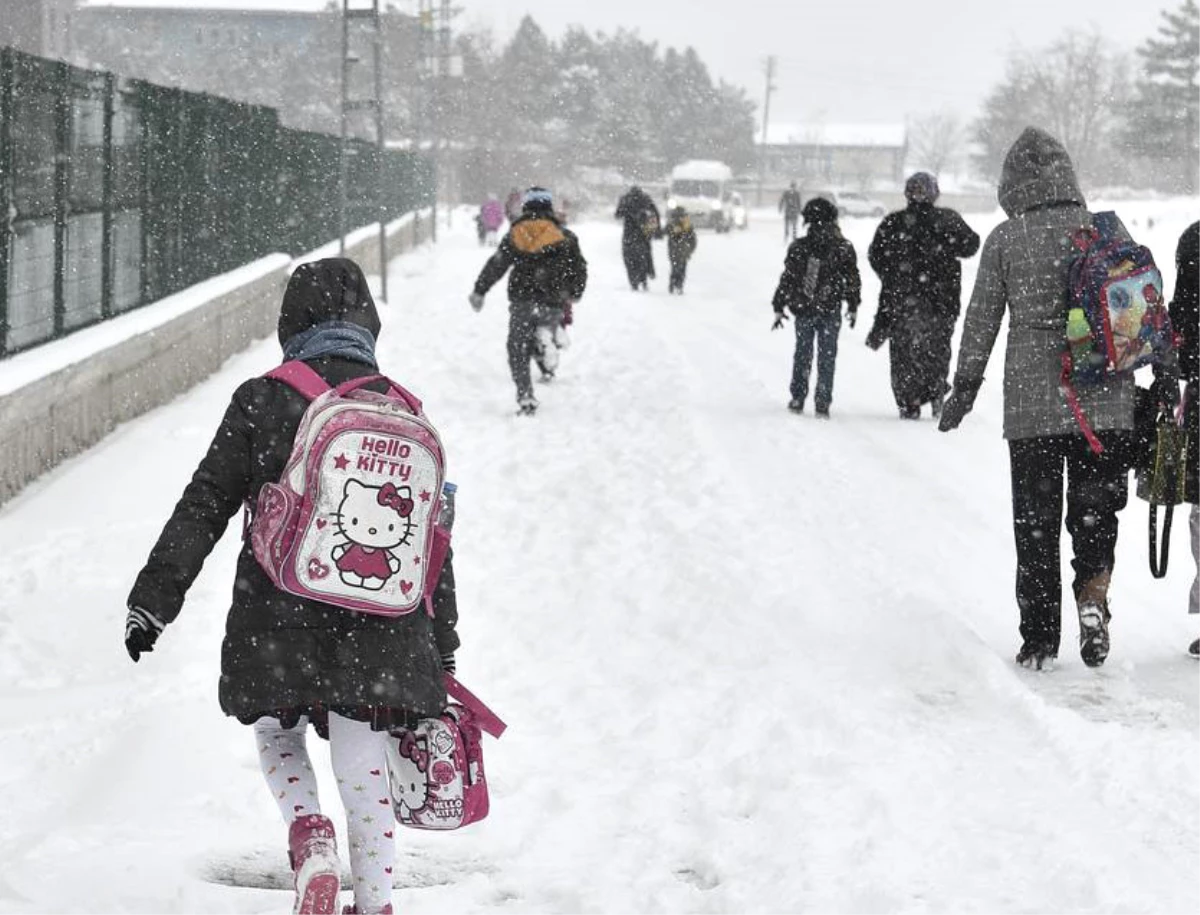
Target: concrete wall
65,412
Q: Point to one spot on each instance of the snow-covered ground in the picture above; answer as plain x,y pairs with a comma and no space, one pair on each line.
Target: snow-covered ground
750,661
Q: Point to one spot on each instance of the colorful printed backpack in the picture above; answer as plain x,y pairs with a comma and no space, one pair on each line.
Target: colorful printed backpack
436,771
1117,317
353,520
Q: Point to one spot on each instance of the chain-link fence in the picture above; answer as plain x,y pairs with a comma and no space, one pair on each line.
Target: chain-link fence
115,193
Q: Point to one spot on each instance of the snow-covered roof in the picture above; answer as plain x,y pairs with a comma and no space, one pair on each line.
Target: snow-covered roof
702,170
890,135
255,6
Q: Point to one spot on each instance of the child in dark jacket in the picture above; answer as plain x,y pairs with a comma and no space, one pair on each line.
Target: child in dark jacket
681,245
287,662
819,273
549,274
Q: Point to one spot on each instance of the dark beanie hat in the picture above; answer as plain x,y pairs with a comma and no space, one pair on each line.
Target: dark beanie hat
921,187
819,211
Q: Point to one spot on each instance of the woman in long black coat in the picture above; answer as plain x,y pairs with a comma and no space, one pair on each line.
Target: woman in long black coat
286,661
1185,318
642,222
916,254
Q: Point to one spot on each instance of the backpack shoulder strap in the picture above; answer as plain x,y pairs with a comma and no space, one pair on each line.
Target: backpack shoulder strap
300,377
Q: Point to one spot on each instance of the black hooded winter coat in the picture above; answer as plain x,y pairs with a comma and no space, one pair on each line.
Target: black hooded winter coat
820,271
1185,318
282,653
916,253
547,266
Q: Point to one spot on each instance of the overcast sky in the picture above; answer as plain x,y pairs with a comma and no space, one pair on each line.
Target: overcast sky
845,60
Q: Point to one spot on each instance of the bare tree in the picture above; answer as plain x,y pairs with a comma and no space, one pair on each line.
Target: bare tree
936,141
1074,89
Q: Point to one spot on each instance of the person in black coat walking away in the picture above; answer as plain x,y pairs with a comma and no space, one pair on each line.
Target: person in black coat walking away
641,223
549,274
681,245
789,206
916,253
819,273
1185,319
288,661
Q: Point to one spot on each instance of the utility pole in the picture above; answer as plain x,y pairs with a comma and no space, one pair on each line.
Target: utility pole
374,102
762,150
446,157
428,57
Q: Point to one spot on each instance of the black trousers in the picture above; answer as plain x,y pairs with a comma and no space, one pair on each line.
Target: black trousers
524,319
1097,488
678,274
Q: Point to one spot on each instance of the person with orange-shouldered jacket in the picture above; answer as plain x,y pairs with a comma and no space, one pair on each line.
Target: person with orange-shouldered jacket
549,274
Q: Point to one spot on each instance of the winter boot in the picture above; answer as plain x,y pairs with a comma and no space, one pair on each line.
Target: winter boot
527,406
1092,604
1194,649
1035,656
312,848
796,405
822,411
911,411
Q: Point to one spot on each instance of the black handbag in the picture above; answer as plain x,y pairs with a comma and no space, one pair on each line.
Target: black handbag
1161,475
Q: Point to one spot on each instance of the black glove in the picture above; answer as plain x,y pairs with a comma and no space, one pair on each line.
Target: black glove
142,629
780,318
852,317
957,406
448,664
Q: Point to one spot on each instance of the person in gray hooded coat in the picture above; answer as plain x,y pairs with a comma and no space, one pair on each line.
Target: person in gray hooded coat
1023,272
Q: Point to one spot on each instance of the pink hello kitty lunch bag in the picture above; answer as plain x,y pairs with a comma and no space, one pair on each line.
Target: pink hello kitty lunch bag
353,520
435,772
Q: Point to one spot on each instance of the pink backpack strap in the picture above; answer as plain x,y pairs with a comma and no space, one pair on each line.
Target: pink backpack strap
300,377
1076,410
485,716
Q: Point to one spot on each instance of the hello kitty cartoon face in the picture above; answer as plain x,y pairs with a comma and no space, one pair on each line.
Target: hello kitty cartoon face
410,787
378,517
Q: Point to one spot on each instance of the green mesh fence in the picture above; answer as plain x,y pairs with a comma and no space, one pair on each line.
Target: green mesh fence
115,193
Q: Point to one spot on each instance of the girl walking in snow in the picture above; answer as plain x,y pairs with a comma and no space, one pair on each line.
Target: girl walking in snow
287,662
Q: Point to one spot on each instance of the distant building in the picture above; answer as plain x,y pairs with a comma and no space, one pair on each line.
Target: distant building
287,58
41,27
858,156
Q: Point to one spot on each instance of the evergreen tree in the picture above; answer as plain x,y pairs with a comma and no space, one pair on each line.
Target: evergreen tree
1163,123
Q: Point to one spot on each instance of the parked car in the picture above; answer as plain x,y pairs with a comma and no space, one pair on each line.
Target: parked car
850,203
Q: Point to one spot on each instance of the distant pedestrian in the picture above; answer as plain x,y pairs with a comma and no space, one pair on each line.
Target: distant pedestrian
916,254
491,216
681,245
789,206
512,205
641,224
820,272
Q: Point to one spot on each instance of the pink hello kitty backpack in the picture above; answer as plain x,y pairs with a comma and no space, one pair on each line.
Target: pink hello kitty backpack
353,520
435,772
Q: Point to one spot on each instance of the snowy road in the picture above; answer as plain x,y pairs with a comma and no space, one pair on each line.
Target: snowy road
750,661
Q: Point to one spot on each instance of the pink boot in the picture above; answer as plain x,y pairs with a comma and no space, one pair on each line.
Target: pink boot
312,849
